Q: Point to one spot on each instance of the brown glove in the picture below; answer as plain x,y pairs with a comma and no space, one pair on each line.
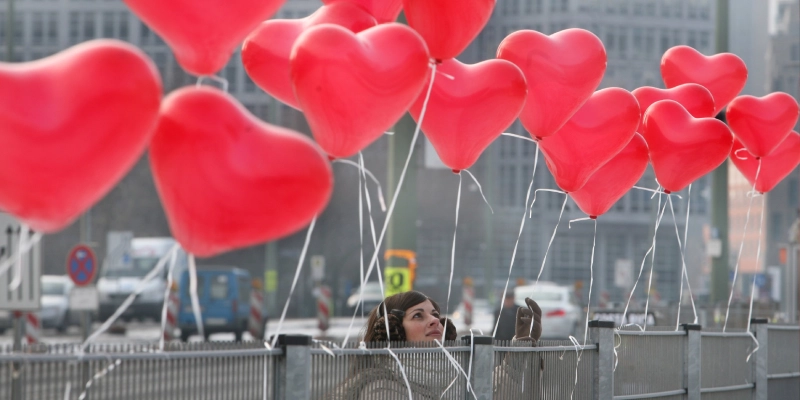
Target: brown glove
525,315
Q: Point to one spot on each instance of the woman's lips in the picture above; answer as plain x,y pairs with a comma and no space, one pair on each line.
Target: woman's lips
435,333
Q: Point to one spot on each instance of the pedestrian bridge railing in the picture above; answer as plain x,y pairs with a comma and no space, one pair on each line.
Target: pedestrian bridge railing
662,363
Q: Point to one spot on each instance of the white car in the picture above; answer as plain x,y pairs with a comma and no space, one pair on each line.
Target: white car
55,302
370,299
561,315
482,318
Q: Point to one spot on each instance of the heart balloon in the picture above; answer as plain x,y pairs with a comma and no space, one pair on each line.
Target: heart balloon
562,71
203,35
762,123
266,51
774,167
594,135
606,186
448,26
228,180
696,99
724,75
71,126
466,113
353,87
683,148
383,10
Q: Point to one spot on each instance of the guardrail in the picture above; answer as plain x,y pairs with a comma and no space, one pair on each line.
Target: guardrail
614,364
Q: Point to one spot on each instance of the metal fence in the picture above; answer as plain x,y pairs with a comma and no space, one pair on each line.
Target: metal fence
614,364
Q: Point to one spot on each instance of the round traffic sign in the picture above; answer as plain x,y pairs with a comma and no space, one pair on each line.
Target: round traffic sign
81,265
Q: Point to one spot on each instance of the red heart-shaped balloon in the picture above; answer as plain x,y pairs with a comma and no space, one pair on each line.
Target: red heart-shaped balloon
266,51
683,148
71,126
228,180
562,71
203,35
596,133
353,87
606,186
448,26
774,167
383,10
466,113
762,123
696,99
724,75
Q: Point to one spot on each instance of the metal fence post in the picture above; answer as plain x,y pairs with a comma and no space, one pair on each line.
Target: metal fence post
759,325
294,379
482,374
692,361
602,333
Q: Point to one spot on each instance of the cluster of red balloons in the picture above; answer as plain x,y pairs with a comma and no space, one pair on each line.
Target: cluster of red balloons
75,123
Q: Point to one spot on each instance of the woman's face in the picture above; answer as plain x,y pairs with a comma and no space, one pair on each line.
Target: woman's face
421,323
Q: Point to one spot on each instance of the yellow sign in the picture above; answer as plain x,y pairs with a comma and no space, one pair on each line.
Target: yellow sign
398,280
271,280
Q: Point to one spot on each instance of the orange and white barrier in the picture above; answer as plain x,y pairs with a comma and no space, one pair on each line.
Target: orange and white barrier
32,328
324,308
467,298
173,307
255,322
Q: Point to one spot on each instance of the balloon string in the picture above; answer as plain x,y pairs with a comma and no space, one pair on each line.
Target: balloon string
128,301
685,243
737,152
165,306
569,225
741,247
644,260
360,226
519,235
23,247
520,137
657,191
390,211
552,237
535,192
360,165
294,281
684,274
480,189
457,367
588,309
198,317
753,288
452,255
652,270
222,81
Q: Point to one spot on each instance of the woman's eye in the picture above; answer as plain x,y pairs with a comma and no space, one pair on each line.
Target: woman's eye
417,315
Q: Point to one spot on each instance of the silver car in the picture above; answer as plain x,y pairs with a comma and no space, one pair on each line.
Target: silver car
55,302
561,315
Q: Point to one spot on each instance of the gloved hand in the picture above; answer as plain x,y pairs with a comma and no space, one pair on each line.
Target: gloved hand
525,315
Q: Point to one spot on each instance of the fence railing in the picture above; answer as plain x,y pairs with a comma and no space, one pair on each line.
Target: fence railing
614,364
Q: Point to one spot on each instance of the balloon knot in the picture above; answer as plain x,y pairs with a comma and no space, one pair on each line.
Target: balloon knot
331,158
537,138
438,60
758,158
593,217
456,171
667,191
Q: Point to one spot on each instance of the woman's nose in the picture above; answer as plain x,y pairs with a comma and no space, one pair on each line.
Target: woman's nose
434,321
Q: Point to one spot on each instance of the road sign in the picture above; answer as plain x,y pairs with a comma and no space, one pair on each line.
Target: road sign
317,267
398,280
26,297
81,265
83,298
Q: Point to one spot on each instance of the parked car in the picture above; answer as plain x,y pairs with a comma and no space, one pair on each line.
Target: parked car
224,297
370,299
119,279
482,318
561,314
55,302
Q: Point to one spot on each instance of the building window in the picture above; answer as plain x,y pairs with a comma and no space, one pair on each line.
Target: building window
88,25
795,52
704,42
108,24
74,27
145,34
123,26
650,42
37,31
230,75
792,192
19,29
623,43
692,42
637,42
664,41
52,28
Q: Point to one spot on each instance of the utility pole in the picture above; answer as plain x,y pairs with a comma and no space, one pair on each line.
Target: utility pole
719,189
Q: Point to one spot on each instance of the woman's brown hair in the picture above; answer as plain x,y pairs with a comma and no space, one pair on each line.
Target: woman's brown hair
396,306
